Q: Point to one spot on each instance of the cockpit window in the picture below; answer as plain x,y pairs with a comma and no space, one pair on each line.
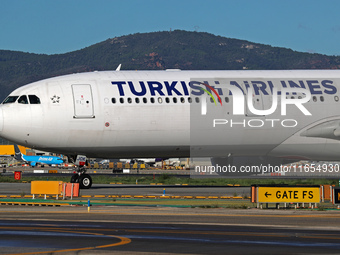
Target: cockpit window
23,100
34,99
10,100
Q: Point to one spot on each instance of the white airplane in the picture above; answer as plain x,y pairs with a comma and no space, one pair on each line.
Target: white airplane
235,117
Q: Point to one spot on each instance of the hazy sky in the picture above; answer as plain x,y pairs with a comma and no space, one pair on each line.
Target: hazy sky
59,26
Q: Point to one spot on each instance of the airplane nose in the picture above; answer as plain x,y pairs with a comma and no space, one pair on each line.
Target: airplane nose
1,120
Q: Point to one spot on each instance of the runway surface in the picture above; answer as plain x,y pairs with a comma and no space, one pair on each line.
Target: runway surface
163,230
141,230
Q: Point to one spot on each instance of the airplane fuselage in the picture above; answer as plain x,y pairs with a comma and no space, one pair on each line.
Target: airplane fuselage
136,114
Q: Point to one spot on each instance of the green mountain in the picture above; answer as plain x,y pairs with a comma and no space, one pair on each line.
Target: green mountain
156,51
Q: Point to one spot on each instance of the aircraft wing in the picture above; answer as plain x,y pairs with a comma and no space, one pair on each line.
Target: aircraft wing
328,129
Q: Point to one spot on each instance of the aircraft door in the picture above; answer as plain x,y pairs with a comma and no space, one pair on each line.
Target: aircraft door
83,101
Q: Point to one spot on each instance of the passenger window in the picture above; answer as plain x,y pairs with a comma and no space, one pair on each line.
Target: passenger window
152,100
137,100
322,99
182,100
145,100
121,100
129,100
190,100
175,100
197,99
160,100
10,100
34,99
113,100
167,100
23,100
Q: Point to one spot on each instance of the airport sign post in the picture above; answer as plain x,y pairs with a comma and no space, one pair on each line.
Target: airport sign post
287,194
336,195
17,175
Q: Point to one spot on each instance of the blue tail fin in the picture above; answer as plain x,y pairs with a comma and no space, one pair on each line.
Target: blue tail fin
18,154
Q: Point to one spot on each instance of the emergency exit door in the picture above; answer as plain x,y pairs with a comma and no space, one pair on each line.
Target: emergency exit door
83,101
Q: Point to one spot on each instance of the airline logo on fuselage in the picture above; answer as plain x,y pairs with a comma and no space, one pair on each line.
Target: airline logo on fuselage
45,159
181,88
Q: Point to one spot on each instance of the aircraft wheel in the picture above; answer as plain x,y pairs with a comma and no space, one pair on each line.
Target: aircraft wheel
75,178
85,181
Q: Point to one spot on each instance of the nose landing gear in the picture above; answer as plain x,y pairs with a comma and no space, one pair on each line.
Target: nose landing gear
84,180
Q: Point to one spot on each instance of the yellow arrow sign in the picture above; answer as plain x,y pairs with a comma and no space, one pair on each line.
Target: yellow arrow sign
288,195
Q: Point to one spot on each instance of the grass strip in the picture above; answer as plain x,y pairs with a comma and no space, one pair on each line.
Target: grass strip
168,179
